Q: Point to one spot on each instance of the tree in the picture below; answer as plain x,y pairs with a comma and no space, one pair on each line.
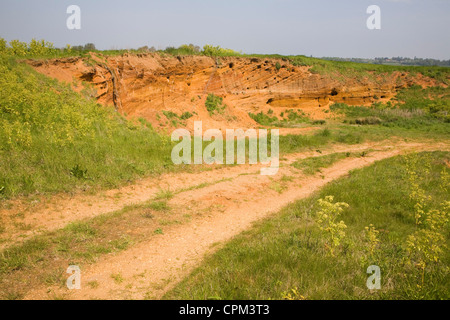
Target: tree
77,48
2,46
144,49
190,48
209,50
68,48
18,48
41,48
37,48
89,47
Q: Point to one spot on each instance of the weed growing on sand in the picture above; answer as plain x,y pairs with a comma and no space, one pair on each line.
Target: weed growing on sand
164,194
117,277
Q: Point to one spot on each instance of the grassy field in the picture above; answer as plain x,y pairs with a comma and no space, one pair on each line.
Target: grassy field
288,256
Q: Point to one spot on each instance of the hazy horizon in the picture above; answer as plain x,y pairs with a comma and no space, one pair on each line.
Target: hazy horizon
326,28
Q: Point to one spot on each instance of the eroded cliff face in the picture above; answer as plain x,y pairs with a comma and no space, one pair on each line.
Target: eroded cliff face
144,85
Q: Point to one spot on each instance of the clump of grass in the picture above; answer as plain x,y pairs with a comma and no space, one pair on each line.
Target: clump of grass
170,115
186,115
159,206
78,173
117,277
367,120
93,284
313,165
164,194
214,104
262,118
277,186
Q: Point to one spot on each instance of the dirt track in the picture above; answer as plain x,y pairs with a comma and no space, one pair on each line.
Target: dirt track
235,197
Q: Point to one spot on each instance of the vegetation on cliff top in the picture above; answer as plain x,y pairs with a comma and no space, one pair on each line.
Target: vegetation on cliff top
336,69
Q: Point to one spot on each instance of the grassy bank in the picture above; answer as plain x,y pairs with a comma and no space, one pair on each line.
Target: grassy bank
54,139
288,255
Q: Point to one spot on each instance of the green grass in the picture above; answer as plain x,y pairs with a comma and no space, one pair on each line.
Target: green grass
342,70
325,137
287,250
313,165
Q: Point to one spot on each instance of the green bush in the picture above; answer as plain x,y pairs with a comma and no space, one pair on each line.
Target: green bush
212,51
185,49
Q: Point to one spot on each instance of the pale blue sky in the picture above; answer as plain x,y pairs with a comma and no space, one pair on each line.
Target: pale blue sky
320,28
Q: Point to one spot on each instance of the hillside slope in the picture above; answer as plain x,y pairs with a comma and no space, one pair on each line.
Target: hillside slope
145,85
